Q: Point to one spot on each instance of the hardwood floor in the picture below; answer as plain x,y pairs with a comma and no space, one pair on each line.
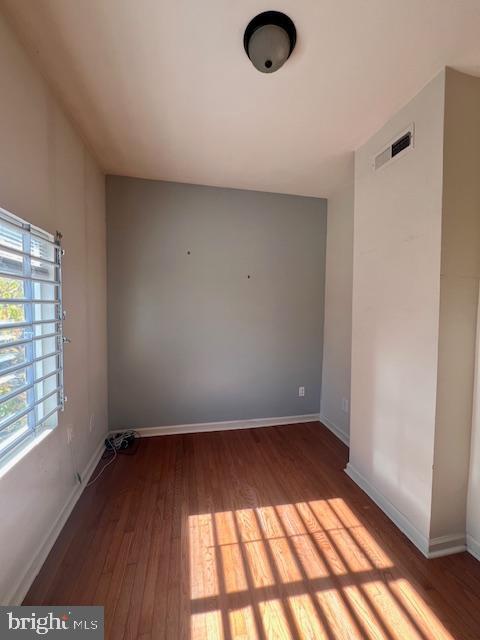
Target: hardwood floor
254,534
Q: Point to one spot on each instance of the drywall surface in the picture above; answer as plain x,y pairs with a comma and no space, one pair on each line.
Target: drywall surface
334,408
215,303
460,272
395,309
48,178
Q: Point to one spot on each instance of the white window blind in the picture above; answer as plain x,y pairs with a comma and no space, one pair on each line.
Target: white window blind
31,332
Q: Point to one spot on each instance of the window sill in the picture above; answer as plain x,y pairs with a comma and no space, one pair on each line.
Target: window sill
17,455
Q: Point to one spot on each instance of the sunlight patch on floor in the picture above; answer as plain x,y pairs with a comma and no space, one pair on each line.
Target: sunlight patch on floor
206,626
259,565
417,608
274,620
233,571
203,564
306,618
304,570
242,624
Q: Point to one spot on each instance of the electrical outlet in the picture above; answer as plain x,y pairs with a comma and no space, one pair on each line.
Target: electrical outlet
69,434
345,405
92,423
301,392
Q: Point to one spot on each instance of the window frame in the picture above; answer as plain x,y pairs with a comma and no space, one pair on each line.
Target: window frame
42,338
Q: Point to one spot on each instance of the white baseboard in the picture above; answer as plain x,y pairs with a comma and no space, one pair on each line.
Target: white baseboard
473,547
447,545
401,521
341,435
202,427
20,590
430,548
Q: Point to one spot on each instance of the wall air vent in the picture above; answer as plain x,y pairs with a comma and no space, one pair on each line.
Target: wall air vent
395,148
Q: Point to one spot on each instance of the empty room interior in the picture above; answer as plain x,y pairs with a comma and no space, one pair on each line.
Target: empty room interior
239,327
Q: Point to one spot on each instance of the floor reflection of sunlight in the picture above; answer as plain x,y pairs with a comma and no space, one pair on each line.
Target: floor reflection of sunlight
259,564
360,609
203,566
303,570
248,524
233,570
269,522
306,553
417,608
340,618
292,523
360,534
306,619
386,609
242,624
226,527
284,559
274,620
207,626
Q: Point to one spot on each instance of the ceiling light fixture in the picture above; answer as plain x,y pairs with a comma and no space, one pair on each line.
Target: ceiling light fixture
269,40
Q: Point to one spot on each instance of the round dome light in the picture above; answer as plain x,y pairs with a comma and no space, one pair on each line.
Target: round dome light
269,40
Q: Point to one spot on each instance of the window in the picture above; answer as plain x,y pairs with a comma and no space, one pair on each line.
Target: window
31,333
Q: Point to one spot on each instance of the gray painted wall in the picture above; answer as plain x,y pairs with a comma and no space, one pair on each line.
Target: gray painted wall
191,337
337,334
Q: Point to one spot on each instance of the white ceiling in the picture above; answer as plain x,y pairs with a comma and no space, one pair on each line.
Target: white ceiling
163,89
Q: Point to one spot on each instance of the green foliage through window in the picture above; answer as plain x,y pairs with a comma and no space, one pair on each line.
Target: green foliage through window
11,288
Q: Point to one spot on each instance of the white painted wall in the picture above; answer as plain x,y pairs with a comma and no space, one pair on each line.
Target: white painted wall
460,272
48,177
338,310
463,263
395,311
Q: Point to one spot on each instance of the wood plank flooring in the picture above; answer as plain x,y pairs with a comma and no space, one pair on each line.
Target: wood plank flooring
252,535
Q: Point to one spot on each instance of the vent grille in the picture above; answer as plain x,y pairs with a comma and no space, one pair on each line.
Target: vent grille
399,145
383,158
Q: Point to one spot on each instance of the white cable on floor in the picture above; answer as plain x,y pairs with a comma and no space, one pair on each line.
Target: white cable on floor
103,468
113,443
